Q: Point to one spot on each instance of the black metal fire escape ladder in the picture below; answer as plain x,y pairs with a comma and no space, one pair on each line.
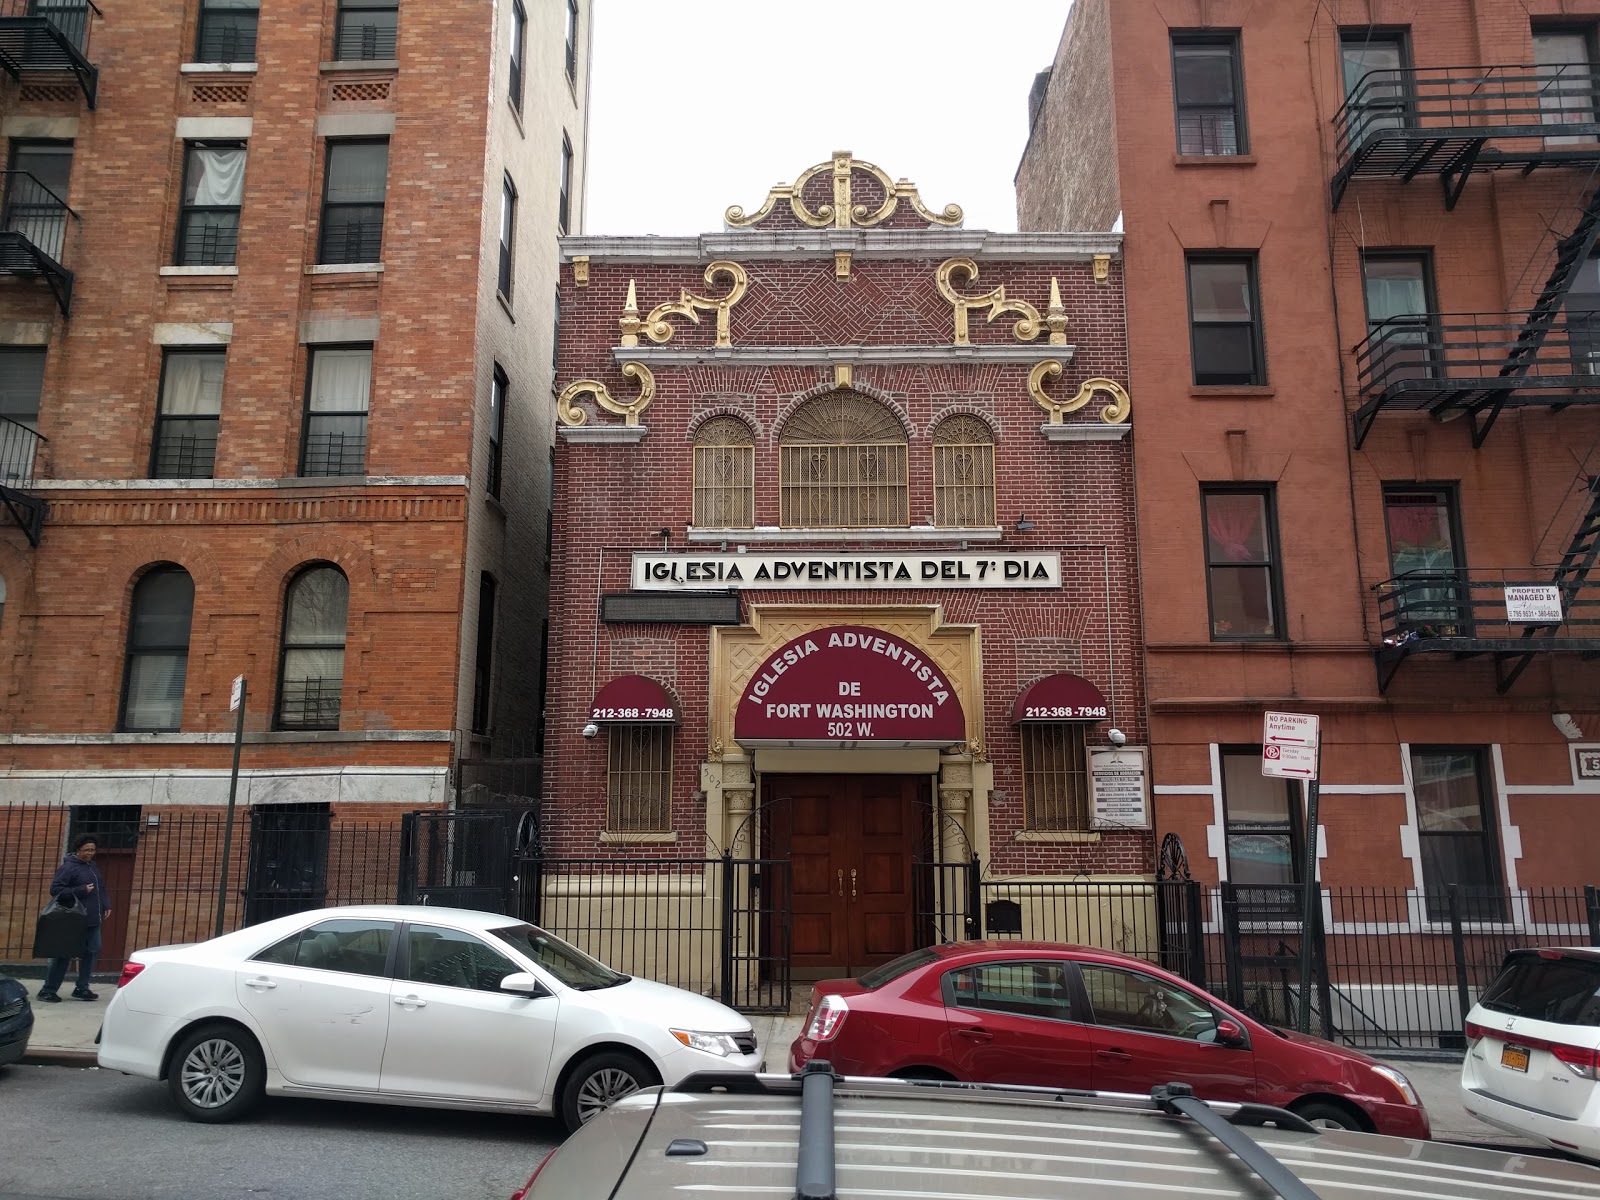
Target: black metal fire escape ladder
1583,552
1571,253
38,39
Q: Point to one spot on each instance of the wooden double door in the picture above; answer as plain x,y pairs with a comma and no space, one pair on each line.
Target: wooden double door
851,841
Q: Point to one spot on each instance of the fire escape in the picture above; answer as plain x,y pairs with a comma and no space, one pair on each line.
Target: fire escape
1398,124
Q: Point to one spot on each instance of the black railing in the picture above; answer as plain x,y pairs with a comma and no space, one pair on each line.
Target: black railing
1423,358
185,455
1481,102
310,703
19,446
352,234
280,862
1519,605
227,35
208,238
35,213
365,36
335,454
49,37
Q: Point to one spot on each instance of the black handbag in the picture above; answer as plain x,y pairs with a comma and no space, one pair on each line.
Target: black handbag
62,929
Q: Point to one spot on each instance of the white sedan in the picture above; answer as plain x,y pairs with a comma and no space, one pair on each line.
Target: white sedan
433,1007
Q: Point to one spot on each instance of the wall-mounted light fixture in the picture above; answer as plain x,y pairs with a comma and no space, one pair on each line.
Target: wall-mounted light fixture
1023,525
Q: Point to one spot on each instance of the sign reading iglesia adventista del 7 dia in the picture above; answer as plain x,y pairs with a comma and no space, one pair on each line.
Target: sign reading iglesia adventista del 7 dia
670,572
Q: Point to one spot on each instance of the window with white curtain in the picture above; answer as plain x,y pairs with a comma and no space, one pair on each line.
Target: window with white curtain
157,659
185,442
335,441
311,677
213,192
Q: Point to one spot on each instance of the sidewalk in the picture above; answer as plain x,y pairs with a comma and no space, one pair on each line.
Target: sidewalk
63,1034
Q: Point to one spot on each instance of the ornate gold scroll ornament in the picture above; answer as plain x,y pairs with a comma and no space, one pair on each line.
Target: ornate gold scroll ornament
688,305
570,414
1112,414
844,212
1027,327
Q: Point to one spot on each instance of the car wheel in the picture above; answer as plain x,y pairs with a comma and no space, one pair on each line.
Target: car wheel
216,1074
598,1082
1329,1116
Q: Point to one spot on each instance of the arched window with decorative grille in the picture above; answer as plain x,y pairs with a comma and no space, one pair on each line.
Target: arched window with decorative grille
842,465
724,475
963,473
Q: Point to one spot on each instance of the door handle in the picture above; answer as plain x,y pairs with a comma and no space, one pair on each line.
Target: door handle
841,883
1113,1055
411,1002
976,1034
263,984
852,883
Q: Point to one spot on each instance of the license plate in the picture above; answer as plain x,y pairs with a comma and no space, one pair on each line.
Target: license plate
1514,1058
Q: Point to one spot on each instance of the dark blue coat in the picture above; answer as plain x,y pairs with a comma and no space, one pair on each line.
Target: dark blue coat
74,875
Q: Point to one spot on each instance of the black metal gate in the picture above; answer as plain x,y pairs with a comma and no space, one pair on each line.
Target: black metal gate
946,903
465,858
288,864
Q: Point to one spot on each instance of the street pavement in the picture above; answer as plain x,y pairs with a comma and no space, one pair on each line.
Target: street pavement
71,1133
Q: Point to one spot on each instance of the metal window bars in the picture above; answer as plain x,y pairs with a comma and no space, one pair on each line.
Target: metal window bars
311,703
336,453
185,455
843,487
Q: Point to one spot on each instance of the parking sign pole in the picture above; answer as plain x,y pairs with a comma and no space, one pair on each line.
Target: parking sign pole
1308,913
239,689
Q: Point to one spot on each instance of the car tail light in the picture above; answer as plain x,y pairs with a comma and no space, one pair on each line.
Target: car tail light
826,1018
130,971
1474,1031
1582,1062
522,1192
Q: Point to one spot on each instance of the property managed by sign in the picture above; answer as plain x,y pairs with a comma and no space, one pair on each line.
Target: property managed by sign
844,685
670,572
1289,745
1535,604
1117,788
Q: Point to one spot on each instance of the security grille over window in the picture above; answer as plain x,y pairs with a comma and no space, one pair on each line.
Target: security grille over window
842,465
366,30
1055,783
963,473
724,474
639,779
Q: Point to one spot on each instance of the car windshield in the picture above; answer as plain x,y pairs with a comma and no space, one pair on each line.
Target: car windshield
566,962
1564,990
895,968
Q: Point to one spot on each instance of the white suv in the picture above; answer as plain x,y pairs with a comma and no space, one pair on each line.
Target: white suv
1533,1049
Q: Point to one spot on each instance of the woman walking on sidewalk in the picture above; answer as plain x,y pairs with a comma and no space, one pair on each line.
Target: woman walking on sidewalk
78,876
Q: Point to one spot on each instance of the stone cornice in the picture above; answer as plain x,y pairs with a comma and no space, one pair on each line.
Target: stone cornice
859,243
607,434
823,356
340,483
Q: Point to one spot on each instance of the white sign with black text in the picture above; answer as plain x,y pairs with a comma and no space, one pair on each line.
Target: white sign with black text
808,570
1118,788
1533,605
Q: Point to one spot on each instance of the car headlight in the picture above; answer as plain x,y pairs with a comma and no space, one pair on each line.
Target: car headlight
720,1044
1401,1084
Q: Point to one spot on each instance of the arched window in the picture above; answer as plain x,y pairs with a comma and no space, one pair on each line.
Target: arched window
842,465
724,475
312,675
158,650
963,473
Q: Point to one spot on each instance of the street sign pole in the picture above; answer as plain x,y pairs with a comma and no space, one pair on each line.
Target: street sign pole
237,704
1313,896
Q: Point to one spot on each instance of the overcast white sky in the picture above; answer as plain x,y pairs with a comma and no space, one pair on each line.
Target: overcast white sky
699,104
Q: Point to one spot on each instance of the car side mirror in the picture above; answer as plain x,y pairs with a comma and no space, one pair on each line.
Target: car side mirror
524,984
1229,1033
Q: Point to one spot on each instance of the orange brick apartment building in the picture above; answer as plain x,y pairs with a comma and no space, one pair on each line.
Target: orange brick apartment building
1364,332
277,316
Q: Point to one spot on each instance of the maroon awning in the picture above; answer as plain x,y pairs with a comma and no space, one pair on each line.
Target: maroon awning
1062,697
634,698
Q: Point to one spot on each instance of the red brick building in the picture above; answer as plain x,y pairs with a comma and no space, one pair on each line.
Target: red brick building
276,342
843,570
1362,275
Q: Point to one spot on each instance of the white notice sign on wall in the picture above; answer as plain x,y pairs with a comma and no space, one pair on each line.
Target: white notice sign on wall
1533,605
1117,788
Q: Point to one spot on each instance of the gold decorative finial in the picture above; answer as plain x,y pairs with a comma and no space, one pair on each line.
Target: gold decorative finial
630,317
1112,414
570,414
844,212
1026,329
1055,317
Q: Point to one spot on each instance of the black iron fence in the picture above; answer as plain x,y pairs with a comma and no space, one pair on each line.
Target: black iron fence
164,875
1419,358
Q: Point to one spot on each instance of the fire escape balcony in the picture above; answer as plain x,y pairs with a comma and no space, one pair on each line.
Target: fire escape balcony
19,445
34,227
1452,121
42,41
1477,364
1512,615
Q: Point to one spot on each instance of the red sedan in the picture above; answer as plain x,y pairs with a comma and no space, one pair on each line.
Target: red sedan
1072,1016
